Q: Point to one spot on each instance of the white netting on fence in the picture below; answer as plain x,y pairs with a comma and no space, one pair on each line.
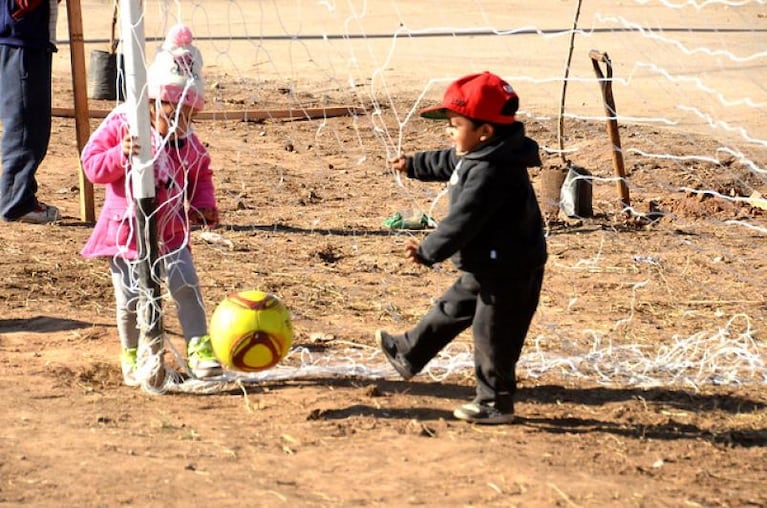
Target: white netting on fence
728,356
698,78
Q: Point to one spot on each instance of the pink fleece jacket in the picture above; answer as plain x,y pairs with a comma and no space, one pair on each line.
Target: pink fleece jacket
181,173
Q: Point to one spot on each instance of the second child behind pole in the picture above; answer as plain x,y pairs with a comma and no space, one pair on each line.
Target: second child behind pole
182,174
493,233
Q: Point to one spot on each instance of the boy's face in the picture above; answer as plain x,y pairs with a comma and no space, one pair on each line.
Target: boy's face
171,117
464,134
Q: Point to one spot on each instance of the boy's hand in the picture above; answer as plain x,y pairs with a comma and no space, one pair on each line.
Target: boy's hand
399,163
204,217
411,252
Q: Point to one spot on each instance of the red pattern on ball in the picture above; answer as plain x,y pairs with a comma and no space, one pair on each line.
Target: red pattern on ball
249,341
264,303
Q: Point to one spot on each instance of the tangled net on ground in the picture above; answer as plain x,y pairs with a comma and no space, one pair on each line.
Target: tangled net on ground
719,358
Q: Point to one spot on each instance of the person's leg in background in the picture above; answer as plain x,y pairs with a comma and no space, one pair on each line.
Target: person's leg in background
25,112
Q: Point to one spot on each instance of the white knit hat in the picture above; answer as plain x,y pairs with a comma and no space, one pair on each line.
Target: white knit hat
176,73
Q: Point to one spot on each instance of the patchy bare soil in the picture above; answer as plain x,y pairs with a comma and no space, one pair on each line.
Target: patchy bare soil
302,210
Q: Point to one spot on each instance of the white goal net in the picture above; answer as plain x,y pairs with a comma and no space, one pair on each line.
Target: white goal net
680,304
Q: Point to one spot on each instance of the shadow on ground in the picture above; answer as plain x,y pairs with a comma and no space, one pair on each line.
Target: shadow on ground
41,324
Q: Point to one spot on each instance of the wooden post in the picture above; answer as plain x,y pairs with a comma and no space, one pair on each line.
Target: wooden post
79,86
605,84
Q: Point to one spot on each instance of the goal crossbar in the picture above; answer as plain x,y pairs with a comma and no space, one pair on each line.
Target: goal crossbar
251,115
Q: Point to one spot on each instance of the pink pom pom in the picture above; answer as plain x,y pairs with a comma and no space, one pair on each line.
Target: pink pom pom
178,36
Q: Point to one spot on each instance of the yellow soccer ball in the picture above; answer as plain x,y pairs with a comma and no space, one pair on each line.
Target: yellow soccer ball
251,331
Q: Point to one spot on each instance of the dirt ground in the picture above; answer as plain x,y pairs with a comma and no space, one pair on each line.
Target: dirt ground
643,382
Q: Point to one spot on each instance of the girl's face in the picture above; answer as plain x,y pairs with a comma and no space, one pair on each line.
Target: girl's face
170,117
464,134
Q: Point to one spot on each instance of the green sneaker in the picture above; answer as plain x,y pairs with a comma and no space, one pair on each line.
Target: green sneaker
128,365
201,358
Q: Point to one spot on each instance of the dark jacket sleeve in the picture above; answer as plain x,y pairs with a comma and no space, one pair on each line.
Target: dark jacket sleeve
432,166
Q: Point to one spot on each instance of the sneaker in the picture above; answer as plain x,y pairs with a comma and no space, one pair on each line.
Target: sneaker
388,345
41,214
128,364
486,414
201,358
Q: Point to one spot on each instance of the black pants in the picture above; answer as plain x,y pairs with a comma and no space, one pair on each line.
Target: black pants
499,310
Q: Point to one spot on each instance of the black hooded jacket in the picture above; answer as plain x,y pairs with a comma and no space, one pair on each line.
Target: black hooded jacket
494,225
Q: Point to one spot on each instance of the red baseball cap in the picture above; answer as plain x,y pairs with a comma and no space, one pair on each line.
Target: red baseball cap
478,96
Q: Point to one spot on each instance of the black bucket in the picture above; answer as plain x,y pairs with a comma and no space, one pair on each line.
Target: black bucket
104,79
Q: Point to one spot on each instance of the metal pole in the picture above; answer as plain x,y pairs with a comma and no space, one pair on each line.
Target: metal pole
561,126
142,184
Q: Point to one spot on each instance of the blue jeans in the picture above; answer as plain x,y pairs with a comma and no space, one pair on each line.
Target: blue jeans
25,112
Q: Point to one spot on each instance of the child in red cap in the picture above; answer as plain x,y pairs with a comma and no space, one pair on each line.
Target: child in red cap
494,235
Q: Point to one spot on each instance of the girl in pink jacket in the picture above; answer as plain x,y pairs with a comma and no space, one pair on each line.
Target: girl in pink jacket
184,196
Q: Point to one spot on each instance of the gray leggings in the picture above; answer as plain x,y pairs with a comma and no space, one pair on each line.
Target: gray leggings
181,278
